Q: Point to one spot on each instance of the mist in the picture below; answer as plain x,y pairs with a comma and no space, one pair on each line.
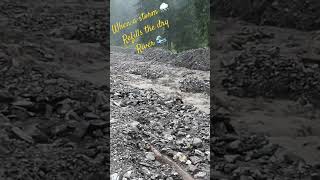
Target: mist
188,22
122,10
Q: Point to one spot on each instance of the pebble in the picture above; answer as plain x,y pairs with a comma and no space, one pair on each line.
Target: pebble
197,142
150,156
195,159
235,145
192,168
200,175
198,152
180,156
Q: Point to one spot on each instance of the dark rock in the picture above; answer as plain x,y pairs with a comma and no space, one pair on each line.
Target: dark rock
22,135
98,124
235,146
5,96
36,134
315,176
23,103
3,120
60,130
81,130
91,116
231,158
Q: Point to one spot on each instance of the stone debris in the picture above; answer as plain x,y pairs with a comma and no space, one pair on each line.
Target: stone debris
52,126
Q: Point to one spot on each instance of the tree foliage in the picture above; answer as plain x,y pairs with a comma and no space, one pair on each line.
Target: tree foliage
188,20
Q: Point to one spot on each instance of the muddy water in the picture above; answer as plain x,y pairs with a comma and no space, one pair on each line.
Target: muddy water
167,85
199,100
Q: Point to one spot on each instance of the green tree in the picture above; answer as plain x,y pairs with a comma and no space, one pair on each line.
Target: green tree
188,20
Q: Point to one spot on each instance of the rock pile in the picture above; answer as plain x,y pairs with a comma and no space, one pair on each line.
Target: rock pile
197,59
174,128
45,112
253,157
158,54
194,85
263,72
52,126
66,20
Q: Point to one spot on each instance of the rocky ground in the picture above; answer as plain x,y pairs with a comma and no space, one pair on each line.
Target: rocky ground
54,110
265,101
163,104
